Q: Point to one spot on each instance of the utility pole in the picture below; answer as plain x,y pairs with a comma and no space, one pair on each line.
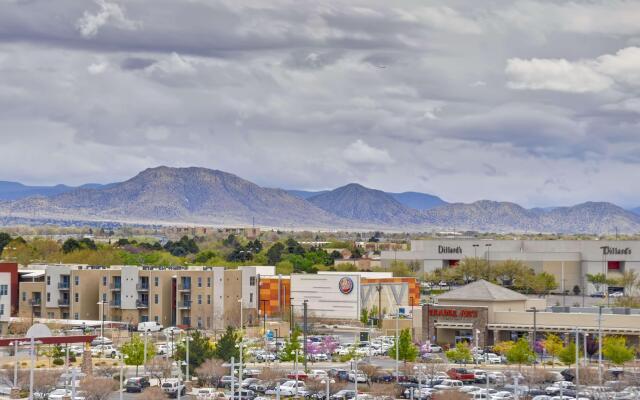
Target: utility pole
578,361
600,344
304,333
379,289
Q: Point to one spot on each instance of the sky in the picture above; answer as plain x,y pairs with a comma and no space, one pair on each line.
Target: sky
535,102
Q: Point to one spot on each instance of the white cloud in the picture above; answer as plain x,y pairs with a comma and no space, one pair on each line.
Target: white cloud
97,68
586,75
175,64
359,152
555,74
89,24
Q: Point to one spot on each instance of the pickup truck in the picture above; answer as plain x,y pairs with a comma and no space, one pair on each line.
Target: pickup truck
461,374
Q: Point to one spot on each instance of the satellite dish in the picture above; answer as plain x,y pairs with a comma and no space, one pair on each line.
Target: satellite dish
38,331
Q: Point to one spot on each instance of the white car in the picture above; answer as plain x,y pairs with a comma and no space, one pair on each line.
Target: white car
288,388
172,329
172,386
491,358
60,394
360,376
209,394
319,357
101,340
555,388
106,350
149,326
449,384
318,374
504,395
435,349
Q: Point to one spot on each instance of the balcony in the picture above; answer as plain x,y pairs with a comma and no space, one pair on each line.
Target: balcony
35,302
184,287
142,287
185,305
142,303
64,285
115,286
115,304
63,302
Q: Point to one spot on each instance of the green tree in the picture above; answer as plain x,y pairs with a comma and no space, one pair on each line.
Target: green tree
568,354
541,283
226,346
70,245
284,267
200,349
615,349
520,353
134,350
407,351
5,238
511,272
364,316
552,345
288,352
460,354
399,268
597,280
274,254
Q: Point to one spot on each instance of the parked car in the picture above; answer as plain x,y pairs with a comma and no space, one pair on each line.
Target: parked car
226,380
302,376
101,340
106,350
293,388
358,376
61,394
343,395
434,348
172,329
318,374
172,386
258,387
339,374
244,394
209,394
264,357
319,357
449,384
461,374
136,384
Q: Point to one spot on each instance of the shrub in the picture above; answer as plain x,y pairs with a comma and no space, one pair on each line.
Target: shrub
58,361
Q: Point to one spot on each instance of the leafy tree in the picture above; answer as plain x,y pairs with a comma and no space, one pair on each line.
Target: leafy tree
293,247
231,241
204,256
70,245
615,349
5,238
542,283
364,316
182,247
407,351
510,271
629,280
134,350
226,346
87,243
200,349
503,347
520,353
211,371
284,267
274,254
597,280
399,268
288,352
335,255
460,354
568,354
552,345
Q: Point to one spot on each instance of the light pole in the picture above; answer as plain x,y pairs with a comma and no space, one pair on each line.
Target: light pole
180,365
146,336
488,246
15,344
577,361
241,318
187,340
584,347
420,370
240,346
33,365
296,369
122,357
397,344
328,382
600,344
233,377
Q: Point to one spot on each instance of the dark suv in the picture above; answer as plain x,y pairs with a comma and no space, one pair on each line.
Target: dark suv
137,384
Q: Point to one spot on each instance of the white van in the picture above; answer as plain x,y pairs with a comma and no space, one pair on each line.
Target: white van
150,326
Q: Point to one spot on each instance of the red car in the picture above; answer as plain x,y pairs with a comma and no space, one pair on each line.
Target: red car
301,375
461,374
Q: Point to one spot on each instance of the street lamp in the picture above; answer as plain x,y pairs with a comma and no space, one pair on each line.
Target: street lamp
122,357
146,337
328,382
397,344
240,346
102,304
180,365
187,340
420,369
488,246
241,318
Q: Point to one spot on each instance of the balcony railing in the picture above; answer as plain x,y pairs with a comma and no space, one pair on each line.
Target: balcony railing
184,287
63,302
142,304
64,285
36,302
115,303
185,304
115,286
142,287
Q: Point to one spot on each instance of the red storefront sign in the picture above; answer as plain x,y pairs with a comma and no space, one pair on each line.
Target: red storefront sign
453,313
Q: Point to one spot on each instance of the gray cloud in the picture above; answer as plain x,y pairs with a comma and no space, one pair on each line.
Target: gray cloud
528,101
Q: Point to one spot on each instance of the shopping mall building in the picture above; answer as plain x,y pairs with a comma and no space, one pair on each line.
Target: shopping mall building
568,260
484,313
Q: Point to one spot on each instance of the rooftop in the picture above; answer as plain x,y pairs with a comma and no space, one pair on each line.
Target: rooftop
483,291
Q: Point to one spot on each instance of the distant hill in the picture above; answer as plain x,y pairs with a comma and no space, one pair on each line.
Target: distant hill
205,196
358,203
178,194
635,210
418,201
16,190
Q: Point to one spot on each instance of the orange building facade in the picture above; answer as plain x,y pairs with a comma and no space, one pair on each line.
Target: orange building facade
275,295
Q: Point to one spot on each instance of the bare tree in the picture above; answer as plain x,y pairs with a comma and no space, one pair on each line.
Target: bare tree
370,370
211,371
384,391
152,393
44,381
271,373
159,368
105,372
19,327
97,388
450,395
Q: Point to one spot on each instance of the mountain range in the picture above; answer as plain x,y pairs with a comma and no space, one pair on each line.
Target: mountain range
205,196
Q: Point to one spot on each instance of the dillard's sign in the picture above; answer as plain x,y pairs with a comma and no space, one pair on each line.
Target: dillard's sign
606,250
449,250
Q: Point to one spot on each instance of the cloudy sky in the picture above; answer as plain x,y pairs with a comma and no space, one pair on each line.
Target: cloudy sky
536,102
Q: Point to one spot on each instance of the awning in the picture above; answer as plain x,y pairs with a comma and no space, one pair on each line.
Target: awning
33,274
453,325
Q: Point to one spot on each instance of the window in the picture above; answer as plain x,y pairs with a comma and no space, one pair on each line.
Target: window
48,280
144,318
48,296
104,297
199,281
50,315
4,290
155,299
200,322
76,297
77,280
252,281
208,299
250,297
199,299
104,281
76,316
156,319
24,296
156,281
209,282
1,309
